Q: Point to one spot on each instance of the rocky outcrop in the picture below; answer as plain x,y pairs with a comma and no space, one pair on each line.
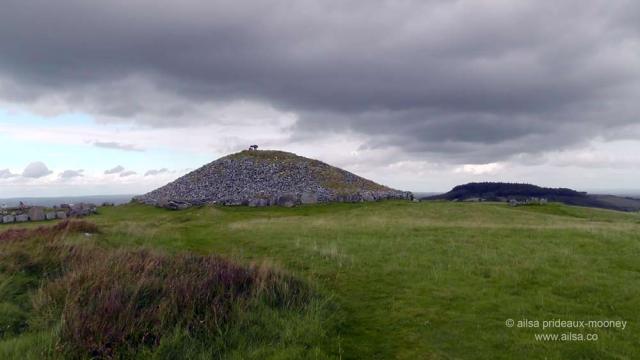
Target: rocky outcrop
264,178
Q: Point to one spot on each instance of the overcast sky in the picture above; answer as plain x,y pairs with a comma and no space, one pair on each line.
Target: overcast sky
123,96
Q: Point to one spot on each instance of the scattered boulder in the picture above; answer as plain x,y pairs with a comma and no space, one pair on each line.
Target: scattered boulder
36,213
308,198
287,200
176,205
82,209
162,202
259,202
179,205
108,203
367,196
41,213
173,204
233,202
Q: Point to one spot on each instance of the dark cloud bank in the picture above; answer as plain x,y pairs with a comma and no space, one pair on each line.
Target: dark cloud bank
461,81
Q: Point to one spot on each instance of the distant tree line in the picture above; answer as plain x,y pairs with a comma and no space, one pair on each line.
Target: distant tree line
501,189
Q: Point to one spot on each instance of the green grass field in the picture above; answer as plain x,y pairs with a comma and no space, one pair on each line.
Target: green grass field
403,280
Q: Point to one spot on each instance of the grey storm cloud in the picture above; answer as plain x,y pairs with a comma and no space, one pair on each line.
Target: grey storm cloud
156,172
464,80
36,170
127,173
115,170
116,146
70,174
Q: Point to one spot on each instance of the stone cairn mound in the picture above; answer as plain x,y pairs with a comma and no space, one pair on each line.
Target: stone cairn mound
266,178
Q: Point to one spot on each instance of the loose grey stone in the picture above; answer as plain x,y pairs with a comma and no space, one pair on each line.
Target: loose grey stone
50,215
36,213
7,219
287,200
22,218
368,197
177,205
264,178
308,198
61,215
82,209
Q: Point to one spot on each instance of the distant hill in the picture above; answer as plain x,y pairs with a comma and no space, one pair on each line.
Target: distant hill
498,191
263,178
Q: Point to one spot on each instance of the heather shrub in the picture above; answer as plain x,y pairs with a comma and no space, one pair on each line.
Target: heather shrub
120,303
124,300
61,229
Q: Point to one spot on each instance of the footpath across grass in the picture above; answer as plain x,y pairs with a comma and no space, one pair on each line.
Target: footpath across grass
402,280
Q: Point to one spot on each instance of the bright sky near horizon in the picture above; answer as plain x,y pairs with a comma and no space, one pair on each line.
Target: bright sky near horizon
124,96
83,157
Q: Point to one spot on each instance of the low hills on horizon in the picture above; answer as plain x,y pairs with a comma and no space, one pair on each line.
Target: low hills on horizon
502,191
272,177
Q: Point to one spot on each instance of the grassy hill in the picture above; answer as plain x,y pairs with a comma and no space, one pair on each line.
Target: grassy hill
498,191
396,279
